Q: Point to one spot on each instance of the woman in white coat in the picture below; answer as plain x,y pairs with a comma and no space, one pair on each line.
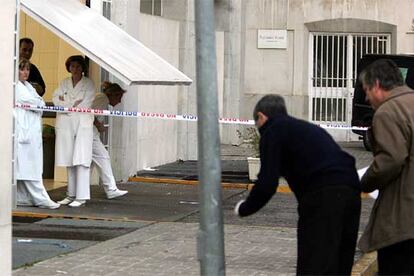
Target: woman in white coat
74,131
29,148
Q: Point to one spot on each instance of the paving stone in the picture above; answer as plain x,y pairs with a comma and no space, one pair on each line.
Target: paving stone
170,248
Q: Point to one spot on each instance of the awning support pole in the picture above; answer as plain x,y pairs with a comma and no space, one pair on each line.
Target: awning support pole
211,234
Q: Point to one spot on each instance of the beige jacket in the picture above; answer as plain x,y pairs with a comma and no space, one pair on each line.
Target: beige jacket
392,172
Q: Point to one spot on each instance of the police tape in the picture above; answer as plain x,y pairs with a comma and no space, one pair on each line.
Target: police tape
153,115
128,114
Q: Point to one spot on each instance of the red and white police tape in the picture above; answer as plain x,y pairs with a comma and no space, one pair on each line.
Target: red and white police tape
153,115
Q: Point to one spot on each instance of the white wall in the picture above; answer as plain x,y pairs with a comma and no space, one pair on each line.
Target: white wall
7,42
286,71
141,143
182,11
234,65
157,139
247,72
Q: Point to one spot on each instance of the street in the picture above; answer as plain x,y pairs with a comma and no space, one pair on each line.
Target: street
152,230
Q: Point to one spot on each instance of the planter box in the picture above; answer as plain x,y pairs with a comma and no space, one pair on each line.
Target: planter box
254,167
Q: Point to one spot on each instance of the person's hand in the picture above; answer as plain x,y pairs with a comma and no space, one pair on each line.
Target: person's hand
101,128
237,207
77,102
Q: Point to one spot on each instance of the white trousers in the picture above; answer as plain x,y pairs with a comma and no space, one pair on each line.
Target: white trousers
31,192
78,182
102,161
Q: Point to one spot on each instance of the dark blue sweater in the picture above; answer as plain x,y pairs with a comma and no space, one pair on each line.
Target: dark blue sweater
305,155
36,77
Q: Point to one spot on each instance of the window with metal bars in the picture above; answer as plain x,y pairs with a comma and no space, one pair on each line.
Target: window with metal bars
331,109
335,58
330,58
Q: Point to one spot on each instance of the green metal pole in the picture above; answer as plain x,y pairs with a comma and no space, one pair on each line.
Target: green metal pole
211,234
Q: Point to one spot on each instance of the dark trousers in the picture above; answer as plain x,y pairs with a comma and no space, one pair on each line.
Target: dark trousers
397,259
328,230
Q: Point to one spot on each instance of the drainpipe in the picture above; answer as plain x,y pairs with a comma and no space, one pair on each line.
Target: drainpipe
210,242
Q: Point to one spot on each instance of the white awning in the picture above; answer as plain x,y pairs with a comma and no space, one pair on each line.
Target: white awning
103,42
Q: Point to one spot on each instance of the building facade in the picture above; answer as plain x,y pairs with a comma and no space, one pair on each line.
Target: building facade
307,51
312,64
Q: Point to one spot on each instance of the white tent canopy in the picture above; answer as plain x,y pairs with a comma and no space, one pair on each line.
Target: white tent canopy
103,42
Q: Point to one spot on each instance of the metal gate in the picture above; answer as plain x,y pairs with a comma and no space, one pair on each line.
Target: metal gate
333,67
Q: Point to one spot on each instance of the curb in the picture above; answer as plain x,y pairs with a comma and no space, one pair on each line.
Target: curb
282,188
35,215
224,185
156,180
366,265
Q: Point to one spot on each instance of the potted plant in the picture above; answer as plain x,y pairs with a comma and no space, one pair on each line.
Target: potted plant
251,138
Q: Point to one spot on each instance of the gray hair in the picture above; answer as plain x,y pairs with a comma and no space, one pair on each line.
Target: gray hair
385,71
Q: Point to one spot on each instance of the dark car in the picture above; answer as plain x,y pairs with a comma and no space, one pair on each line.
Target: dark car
362,112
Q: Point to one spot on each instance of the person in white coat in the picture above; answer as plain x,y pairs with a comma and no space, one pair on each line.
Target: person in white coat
74,131
29,147
112,95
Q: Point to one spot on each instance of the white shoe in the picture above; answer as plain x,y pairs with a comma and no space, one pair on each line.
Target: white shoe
50,205
66,200
115,193
77,203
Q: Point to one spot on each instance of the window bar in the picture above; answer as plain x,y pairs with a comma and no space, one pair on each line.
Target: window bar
388,44
373,51
356,60
322,80
323,76
348,104
338,86
330,85
316,78
340,104
315,75
325,117
361,46
318,90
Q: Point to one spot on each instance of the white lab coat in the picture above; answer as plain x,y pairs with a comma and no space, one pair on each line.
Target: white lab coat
74,131
100,156
29,150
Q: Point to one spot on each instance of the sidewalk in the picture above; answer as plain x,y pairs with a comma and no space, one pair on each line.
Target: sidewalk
264,244
170,249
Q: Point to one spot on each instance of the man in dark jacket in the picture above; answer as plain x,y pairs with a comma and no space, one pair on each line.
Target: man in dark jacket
323,179
390,230
26,46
